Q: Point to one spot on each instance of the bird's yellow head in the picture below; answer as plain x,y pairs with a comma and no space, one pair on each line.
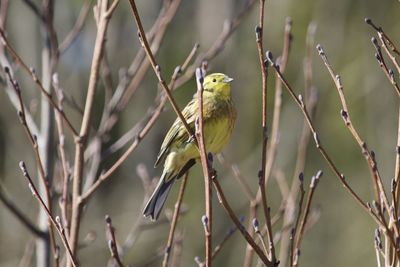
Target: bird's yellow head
217,84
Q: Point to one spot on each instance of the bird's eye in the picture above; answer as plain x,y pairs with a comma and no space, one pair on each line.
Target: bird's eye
214,80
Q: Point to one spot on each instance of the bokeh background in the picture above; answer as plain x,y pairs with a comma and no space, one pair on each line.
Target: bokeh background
343,235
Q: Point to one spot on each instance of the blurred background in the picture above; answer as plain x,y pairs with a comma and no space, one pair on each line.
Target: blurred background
343,235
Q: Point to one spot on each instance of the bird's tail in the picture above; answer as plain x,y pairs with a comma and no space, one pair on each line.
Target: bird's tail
158,198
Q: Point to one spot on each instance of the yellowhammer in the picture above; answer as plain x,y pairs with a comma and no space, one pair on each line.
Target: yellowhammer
179,152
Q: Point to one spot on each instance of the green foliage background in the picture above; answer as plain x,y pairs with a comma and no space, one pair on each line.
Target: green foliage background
344,234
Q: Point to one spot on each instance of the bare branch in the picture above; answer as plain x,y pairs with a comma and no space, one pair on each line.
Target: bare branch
112,243
174,221
103,18
318,144
300,233
156,67
373,168
206,163
56,224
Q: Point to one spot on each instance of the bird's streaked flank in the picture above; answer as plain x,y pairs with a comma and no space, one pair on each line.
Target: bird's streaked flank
178,152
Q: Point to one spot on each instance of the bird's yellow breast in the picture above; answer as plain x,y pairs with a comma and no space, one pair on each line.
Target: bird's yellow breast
217,132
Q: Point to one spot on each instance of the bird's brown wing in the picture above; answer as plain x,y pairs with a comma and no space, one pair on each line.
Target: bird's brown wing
177,132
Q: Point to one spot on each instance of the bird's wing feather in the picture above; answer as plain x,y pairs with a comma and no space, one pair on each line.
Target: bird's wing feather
177,131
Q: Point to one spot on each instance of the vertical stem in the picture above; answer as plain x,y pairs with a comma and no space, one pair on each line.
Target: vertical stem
174,221
261,194
259,39
103,17
207,220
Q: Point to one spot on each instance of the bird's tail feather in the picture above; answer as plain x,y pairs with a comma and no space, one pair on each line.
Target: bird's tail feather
157,200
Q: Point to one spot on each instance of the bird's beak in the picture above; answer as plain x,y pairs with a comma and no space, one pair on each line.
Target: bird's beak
227,79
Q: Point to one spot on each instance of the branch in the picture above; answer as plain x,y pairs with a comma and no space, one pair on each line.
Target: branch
300,233
56,222
321,149
388,72
112,243
156,67
380,192
261,194
140,65
103,16
206,165
174,221
387,44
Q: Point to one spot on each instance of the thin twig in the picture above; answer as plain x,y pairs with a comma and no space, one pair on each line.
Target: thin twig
112,242
379,189
262,178
321,149
174,221
389,235
57,225
379,29
300,232
156,36
382,63
386,43
260,236
156,67
300,208
206,165
378,246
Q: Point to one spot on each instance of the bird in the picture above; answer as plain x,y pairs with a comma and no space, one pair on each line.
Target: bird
179,151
